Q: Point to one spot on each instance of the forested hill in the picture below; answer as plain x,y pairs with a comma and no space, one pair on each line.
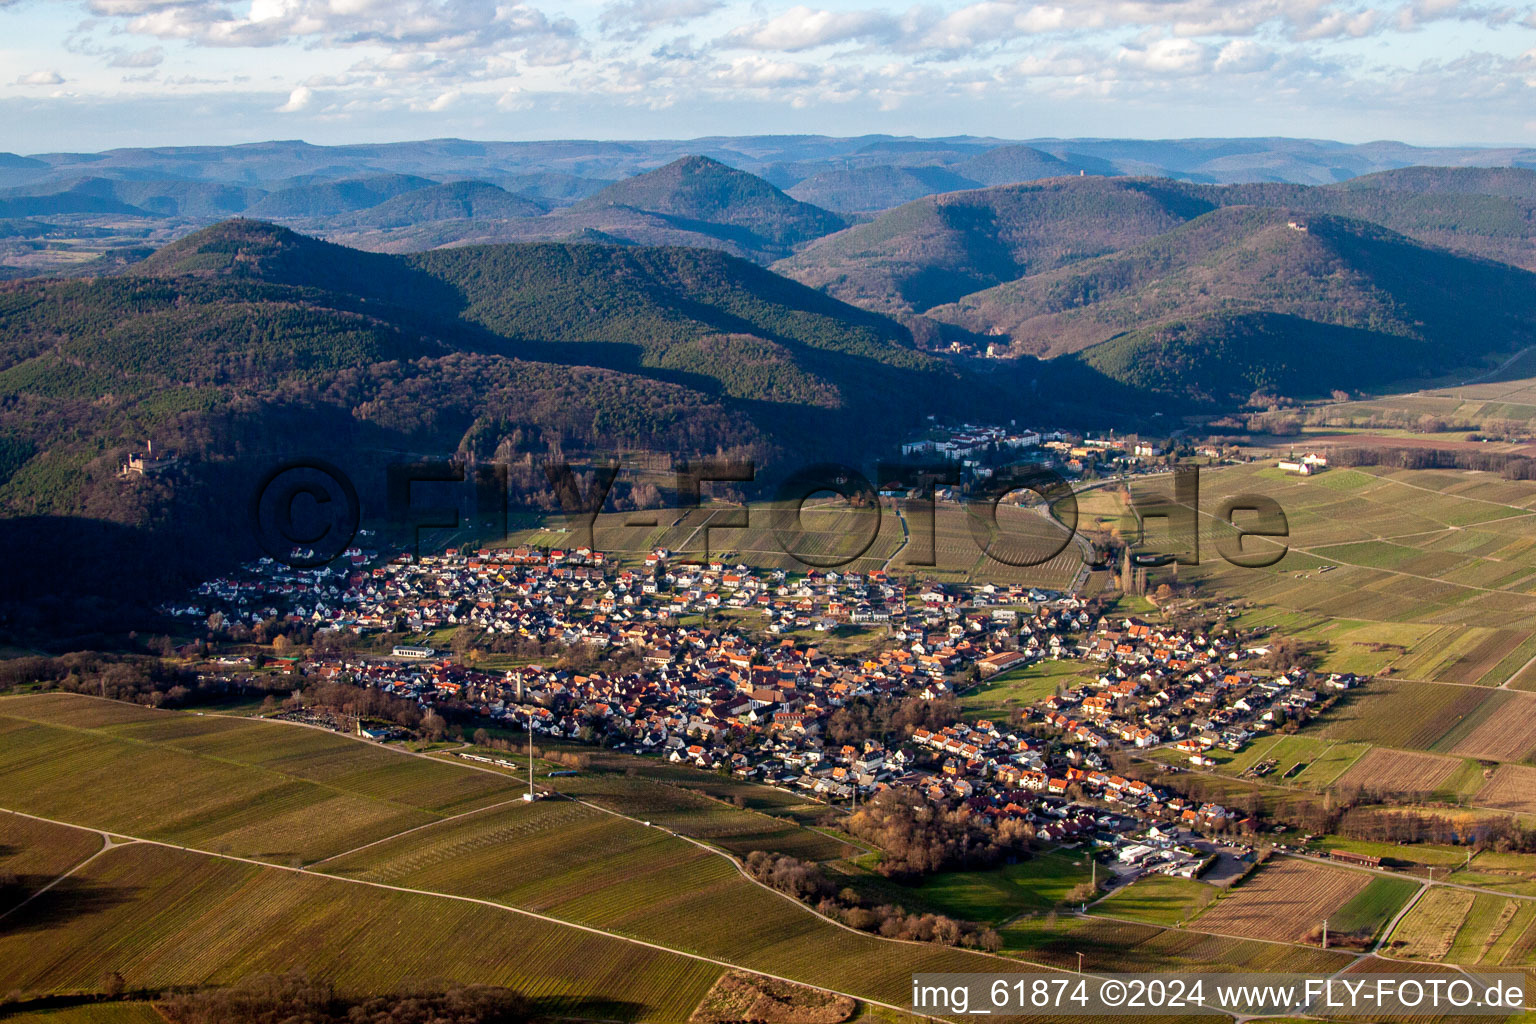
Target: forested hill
699,191
719,325
1444,310
1210,292
939,248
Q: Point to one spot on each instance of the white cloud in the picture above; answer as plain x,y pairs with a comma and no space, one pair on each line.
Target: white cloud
468,60
148,57
630,19
442,25
992,21
803,28
514,99
1244,56
127,7
40,78
1341,24
300,99
1057,64
760,72
1167,56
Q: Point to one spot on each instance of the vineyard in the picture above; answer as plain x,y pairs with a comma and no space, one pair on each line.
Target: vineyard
1429,929
693,803
824,533
262,790
828,532
574,862
1461,927
1427,574
1112,945
1401,713
583,865
36,852
98,1013
161,917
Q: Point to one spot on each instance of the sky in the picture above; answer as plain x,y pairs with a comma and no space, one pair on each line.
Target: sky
87,75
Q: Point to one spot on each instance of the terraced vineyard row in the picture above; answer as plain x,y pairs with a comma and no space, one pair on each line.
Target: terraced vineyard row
162,918
263,790
624,877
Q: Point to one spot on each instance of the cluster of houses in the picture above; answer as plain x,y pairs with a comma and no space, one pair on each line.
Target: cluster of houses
969,441
974,447
575,597
753,694
1305,465
1168,686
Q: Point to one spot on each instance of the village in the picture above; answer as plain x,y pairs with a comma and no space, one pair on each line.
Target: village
979,449
717,667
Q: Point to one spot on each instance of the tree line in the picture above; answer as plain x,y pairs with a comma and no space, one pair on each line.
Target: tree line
295,998
806,882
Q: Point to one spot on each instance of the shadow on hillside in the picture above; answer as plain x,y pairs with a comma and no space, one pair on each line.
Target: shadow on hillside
71,899
585,1009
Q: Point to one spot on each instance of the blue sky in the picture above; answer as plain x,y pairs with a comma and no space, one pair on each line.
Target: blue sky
95,74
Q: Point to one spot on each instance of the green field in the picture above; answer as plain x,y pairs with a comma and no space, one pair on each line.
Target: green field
1007,692
1500,881
1159,899
1034,886
1391,853
1373,907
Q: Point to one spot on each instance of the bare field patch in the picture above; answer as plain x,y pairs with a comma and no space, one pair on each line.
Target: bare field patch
1285,901
1398,771
1509,734
1512,788
739,996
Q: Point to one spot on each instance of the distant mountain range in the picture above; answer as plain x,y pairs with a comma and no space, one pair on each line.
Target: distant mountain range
783,160
1431,263
759,197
